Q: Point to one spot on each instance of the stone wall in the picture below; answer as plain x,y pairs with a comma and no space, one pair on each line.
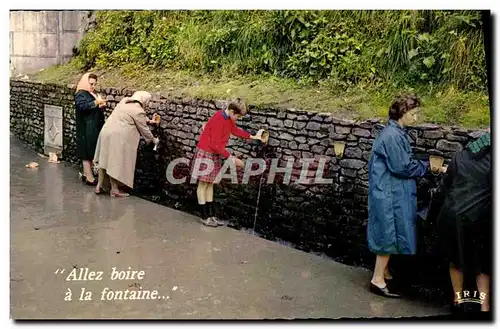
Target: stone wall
327,219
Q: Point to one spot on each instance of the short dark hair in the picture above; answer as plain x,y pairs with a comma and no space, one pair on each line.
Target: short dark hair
238,106
92,76
403,104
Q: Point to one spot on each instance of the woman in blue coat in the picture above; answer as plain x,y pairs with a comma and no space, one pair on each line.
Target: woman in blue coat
392,193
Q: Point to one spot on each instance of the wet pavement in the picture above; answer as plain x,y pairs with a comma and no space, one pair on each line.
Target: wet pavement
59,227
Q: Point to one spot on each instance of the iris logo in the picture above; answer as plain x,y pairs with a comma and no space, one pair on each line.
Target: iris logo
471,297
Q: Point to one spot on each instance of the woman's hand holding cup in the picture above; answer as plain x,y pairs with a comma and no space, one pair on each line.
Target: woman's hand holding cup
436,164
156,119
439,170
100,102
261,135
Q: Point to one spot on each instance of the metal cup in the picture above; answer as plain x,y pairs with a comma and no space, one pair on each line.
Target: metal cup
436,162
263,135
339,147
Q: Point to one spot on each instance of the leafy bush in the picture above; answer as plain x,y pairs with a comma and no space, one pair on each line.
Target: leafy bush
343,48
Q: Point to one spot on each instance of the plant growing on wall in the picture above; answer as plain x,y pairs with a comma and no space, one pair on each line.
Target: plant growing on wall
418,48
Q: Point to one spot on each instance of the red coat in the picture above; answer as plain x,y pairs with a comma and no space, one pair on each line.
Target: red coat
216,134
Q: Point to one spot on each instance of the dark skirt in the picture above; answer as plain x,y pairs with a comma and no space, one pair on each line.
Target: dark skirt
211,176
465,244
86,140
89,122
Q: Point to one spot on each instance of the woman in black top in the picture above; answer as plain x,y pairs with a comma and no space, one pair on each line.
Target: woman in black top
89,121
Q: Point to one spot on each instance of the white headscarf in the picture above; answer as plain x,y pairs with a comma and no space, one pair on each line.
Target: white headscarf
141,96
84,84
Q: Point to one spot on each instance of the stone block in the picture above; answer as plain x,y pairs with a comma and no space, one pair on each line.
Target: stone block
342,130
352,163
313,126
433,134
447,146
361,132
353,152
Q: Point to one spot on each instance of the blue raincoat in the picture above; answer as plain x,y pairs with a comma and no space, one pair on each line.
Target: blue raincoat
392,193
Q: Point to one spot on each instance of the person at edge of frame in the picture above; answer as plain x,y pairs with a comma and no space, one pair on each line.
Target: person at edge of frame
464,223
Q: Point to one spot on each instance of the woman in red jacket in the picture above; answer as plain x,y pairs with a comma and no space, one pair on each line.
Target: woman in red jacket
212,152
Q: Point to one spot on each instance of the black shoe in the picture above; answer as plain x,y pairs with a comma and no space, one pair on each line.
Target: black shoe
385,292
456,309
211,214
86,181
209,222
217,221
205,219
94,183
100,191
485,316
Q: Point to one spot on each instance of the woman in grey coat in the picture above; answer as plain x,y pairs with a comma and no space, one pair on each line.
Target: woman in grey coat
116,150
